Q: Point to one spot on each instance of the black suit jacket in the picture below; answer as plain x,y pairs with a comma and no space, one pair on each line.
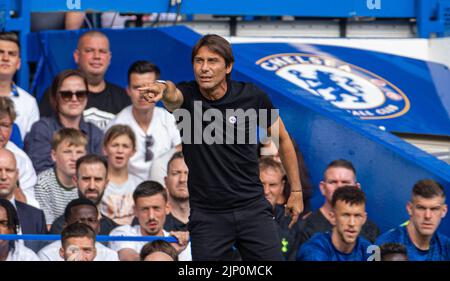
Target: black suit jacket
32,221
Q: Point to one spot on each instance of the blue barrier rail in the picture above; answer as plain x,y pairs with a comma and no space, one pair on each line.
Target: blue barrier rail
100,238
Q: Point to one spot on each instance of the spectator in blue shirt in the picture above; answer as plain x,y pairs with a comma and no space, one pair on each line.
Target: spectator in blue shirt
426,209
68,98
344,242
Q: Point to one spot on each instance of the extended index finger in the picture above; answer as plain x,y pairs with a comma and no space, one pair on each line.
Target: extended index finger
294,220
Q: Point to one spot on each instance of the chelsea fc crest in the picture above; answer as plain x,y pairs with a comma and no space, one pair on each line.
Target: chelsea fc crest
346,86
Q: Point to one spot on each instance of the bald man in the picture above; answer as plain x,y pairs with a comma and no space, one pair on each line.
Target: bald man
105,100
32,220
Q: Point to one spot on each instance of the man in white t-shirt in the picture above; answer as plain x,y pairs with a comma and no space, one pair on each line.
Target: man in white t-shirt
83,211
154,127
25,104
151,208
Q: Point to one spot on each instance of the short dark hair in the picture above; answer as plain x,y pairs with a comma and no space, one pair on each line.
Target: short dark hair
57,82
91,159
216,44
349,194
11,215
341,163
175,156
392,248
77,230
428,188
147,189
11,37
159,246
77,202
141,67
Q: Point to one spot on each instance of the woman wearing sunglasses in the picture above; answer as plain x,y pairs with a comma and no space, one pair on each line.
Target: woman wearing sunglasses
68,98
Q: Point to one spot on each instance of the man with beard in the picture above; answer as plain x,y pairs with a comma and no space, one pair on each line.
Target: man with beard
344,242
426,209
91,179
151,208
176,184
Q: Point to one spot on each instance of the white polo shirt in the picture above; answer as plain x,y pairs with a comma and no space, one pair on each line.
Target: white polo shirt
51,253
164,131
27,109
27,175
128,230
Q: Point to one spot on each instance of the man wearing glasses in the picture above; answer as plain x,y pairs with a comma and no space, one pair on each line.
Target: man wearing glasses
154,127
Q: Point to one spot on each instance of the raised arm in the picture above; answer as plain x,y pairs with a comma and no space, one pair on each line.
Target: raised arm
166,91
288,157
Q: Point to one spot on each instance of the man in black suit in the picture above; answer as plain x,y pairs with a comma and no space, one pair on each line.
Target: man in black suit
32,220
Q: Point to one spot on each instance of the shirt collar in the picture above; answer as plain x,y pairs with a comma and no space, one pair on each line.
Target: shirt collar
13,201
14,90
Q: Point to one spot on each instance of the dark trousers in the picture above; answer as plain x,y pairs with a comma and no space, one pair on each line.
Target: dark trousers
251,230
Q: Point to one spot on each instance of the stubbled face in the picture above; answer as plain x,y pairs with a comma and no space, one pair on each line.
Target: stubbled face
65,157
9,59
334,178
6,125
151,212
93,55
210,70
91,181
74,107
273,183
138,80
119,151
8,174
78,249
176,180
348,221
426,214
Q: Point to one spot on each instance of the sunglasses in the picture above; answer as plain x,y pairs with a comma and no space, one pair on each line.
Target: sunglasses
149,142
68,95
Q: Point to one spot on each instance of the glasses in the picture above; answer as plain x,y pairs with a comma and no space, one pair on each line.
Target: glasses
68,95
149,142
5,126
